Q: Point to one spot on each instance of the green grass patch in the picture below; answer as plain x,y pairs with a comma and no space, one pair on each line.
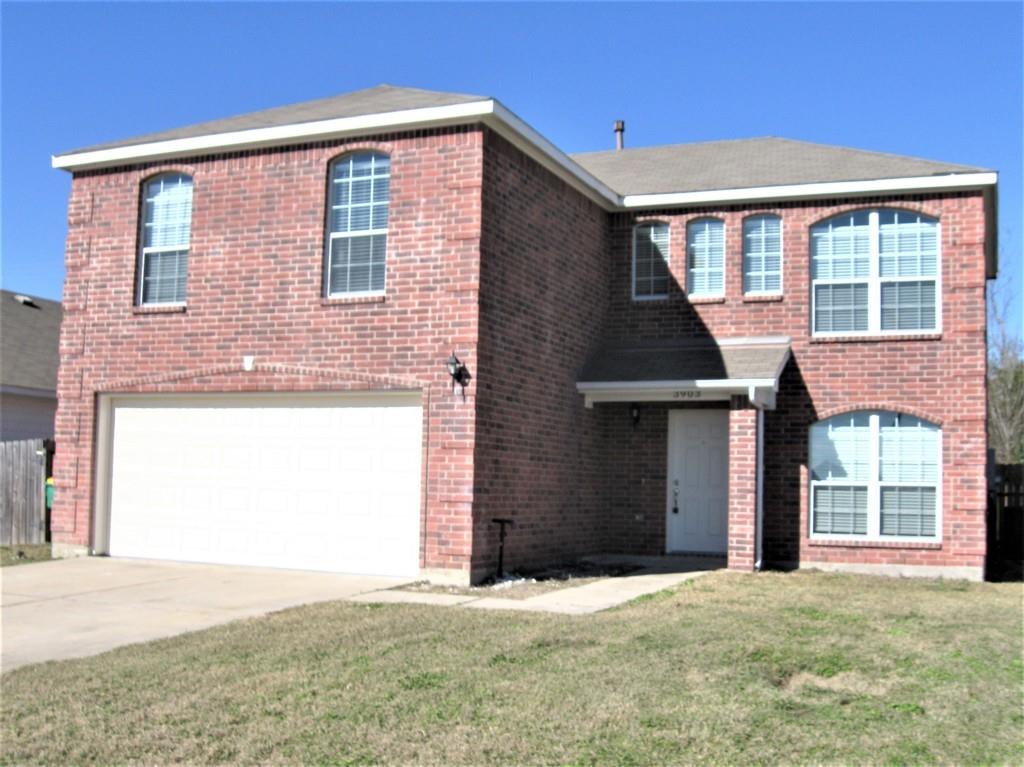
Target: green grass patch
24,554
768,669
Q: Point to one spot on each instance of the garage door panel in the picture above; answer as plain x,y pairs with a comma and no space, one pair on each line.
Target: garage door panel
323,485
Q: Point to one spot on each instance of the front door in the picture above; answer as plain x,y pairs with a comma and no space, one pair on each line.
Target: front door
698,481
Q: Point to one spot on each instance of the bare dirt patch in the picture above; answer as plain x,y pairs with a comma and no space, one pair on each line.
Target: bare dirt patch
524,586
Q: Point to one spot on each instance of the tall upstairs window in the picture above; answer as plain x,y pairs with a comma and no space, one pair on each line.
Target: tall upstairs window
166,229
650,261
357,226
762,255
705,251
875,271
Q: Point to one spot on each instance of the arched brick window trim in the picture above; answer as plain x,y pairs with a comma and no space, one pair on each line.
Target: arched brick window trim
890,406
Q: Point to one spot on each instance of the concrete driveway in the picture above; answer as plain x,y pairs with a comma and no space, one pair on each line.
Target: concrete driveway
76,607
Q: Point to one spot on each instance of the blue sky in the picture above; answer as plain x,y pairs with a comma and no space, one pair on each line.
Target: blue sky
936,80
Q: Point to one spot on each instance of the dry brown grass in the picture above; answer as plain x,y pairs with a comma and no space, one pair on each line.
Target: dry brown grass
24,554
730,669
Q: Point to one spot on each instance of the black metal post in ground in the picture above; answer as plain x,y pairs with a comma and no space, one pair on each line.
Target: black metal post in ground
501,545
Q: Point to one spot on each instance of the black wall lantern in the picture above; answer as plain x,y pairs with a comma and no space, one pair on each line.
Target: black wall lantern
634,413
460,375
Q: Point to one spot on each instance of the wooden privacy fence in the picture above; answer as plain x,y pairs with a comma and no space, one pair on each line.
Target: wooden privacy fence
1006,521
23,466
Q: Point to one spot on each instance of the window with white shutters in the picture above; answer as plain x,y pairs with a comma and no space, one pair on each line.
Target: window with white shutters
650,261
705,250
875,475
762,255
875,272
164,240
357,226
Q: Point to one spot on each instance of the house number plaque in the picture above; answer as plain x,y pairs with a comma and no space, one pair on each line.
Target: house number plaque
686,395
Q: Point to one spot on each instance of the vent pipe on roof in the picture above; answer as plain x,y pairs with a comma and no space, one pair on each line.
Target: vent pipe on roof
620,128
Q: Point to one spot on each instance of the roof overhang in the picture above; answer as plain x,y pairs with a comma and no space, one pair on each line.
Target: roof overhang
942,183
765,357
495,115
760,391
489,112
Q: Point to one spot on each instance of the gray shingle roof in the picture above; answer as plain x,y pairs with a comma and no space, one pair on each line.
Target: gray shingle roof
29,342
382,98
747,163
687,361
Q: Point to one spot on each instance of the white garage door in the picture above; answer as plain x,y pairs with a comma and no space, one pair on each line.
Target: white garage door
305,482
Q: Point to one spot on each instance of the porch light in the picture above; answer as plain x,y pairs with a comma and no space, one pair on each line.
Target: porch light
457,370
634,413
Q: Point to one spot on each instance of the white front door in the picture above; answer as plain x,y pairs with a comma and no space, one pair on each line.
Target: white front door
698,481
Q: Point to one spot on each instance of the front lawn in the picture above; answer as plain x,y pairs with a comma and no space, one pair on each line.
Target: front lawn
728,668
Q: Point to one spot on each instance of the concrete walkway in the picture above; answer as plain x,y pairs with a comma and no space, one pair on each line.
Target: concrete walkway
657,573
72,608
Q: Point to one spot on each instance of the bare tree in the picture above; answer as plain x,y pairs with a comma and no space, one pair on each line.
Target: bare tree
1005,377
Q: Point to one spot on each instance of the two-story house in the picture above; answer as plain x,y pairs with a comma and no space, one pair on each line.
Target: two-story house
349,334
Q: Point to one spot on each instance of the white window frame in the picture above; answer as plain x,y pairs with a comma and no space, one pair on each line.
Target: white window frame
140,264
668,261
874,282
782,255
725,249
332,235
874,485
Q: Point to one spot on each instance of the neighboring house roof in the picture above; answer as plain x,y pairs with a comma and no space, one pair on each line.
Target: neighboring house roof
745,163
381,99
29,341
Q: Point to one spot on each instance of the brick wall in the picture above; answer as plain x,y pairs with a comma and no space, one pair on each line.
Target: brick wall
941,378
485,244
255,286
543,298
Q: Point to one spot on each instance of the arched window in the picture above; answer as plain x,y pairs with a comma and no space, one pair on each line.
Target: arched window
357,225
875,475
705,251
762,255
650,260
875,271
164,241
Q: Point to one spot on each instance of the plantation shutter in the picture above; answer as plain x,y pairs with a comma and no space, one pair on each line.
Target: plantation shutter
706,250
360,196
167,227
762,254
650,260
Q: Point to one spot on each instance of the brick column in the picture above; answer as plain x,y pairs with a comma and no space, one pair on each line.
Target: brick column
742,484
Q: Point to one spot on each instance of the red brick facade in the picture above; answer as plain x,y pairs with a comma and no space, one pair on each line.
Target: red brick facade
523,277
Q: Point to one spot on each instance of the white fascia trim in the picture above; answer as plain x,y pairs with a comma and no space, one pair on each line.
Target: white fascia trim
824,189
754,341
489,111
276,135
739,385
